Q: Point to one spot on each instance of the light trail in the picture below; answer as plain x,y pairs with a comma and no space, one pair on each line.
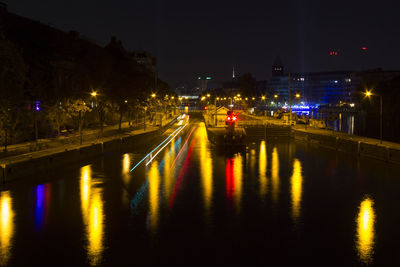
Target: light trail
165,145
154,149
180,151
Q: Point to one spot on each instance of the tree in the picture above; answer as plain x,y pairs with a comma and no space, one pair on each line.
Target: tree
57,114
12,80
77,109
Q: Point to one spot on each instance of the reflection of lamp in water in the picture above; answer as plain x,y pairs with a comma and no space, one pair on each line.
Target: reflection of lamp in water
93,215
154,185
6,226
262,167
365,230
237,177
95,227
275,174
205,169
297,188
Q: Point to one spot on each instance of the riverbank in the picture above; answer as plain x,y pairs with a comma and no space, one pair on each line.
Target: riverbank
20,165
357,145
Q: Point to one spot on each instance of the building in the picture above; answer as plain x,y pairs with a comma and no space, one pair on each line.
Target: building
145,59
315,88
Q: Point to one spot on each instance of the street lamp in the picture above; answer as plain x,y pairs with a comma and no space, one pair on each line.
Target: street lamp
263,97
369,94
93,93
153,95
275,96
297,95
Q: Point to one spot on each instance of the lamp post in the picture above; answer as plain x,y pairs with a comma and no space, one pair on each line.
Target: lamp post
369,94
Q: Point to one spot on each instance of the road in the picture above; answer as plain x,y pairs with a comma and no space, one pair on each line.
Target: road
181,201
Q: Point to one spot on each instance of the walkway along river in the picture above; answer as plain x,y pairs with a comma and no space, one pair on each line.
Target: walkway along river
275,203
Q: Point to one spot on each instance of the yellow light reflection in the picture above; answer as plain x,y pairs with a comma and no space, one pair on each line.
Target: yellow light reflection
167,172
95,227
238,176
93,215
296,189
86,184
365,230
205,169
275,175
126,163
126,177
154,187
262,168
6,227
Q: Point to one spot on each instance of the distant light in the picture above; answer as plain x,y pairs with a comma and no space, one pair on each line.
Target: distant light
94,93
368,93
335,81
208,78
352,105
297,95
199,78
263,97
364,48
37,106
153,95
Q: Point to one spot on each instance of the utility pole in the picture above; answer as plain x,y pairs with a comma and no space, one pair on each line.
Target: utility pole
290,101
380,114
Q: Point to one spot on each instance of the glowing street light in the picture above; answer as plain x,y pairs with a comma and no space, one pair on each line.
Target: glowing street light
263,97
94,93
253,98
297,95
208,95
368,94
153,95
275,96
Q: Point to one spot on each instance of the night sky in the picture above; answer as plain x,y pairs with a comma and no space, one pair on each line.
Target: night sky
191,38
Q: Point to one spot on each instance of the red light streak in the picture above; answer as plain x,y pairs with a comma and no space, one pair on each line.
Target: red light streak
229,179
181,176
180,151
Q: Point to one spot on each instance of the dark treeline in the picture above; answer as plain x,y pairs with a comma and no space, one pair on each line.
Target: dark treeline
48,78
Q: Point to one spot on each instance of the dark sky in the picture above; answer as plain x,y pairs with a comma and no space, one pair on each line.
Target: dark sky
207,37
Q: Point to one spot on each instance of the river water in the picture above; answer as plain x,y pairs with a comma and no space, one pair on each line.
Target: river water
275,203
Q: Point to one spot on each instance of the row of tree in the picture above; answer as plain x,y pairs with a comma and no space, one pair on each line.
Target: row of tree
45,90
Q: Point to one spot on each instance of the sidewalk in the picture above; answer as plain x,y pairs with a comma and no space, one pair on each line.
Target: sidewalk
367,140
24,151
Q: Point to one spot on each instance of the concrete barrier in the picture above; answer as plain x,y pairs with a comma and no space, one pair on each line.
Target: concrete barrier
89,151
349,146
42,161
374,151
394,155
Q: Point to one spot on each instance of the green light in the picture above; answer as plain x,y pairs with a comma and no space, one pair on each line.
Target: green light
199,78
208,78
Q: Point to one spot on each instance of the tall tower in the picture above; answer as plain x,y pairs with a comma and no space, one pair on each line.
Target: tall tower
277,67
233,73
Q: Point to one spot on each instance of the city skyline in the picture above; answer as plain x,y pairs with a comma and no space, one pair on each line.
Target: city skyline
212,37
